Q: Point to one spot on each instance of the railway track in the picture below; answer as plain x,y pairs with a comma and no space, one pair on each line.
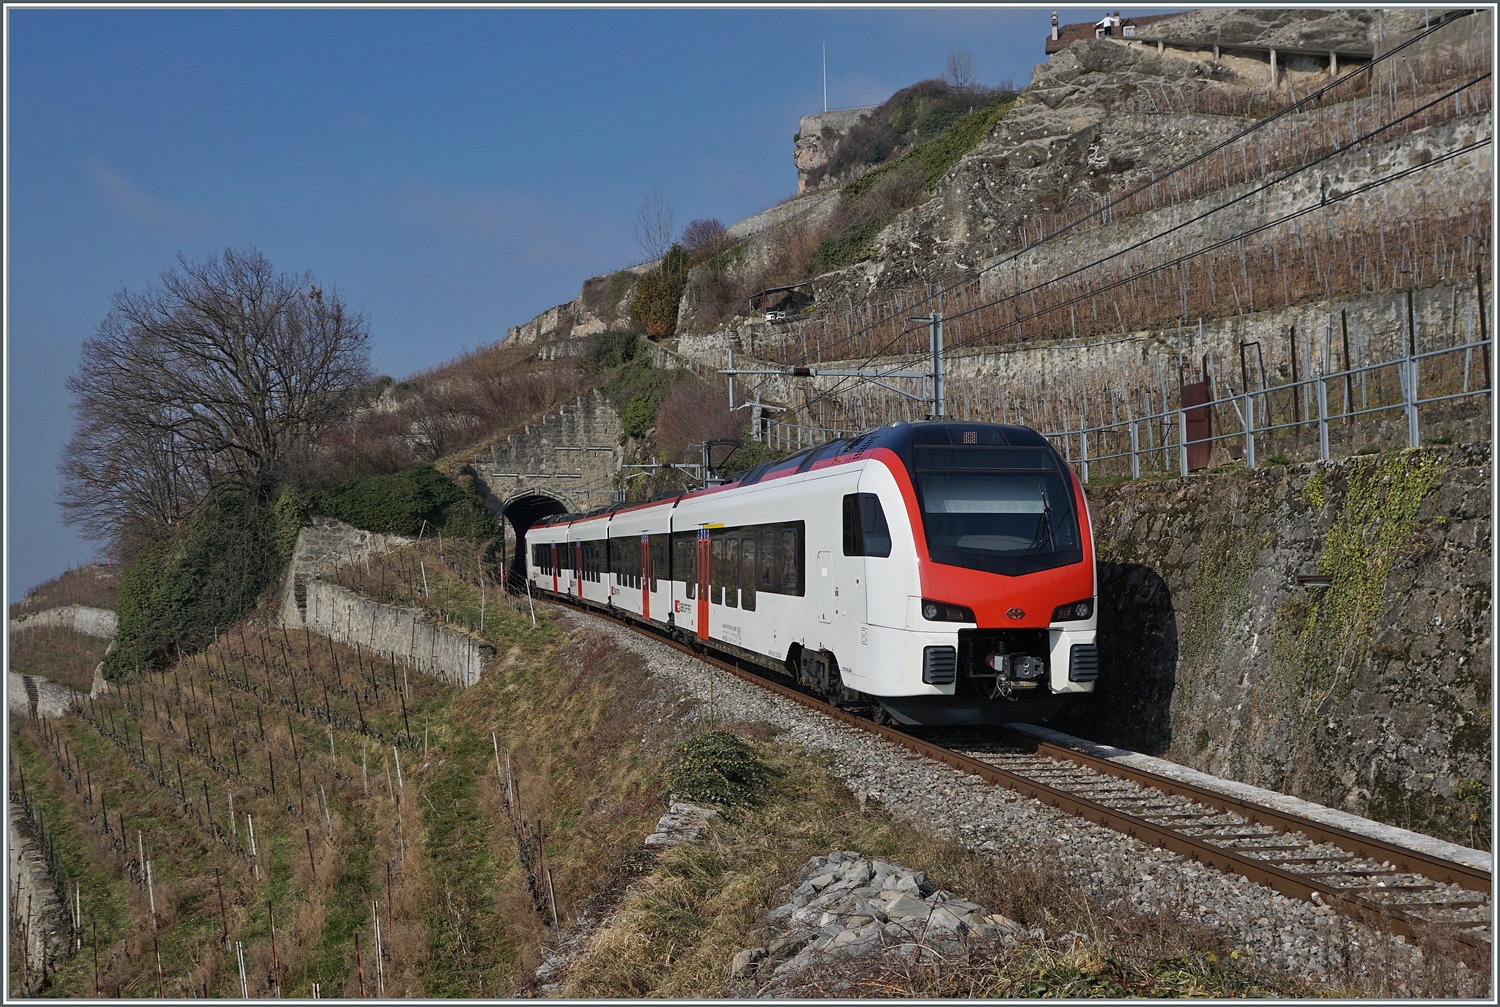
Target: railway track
1386,886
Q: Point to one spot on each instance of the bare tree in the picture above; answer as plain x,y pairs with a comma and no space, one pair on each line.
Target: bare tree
704,237
206,382
654,225
962,74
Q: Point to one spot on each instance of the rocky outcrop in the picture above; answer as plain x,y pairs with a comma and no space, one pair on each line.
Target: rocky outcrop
850,906
818,137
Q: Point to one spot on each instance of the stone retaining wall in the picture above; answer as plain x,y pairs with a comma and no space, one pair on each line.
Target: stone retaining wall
1371,695
400,633
322,547
98,622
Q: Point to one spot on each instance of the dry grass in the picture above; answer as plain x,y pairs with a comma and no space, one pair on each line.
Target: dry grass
676,931
586,740
65,657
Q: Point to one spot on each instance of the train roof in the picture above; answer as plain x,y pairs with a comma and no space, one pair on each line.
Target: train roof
897,437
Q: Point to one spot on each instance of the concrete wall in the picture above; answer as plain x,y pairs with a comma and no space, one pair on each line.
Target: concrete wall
1372,695
572,455
400,633
98,622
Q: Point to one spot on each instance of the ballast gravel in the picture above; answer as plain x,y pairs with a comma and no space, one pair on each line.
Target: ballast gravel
1286,935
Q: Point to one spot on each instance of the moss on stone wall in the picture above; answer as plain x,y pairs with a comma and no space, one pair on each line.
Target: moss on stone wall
1320,642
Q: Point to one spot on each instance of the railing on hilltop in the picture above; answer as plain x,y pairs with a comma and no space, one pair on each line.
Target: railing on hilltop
1251,425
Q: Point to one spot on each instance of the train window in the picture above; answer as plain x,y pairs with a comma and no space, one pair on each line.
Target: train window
716,572
766,580
791,565
684,561
747,573
732,572
865,530
661,560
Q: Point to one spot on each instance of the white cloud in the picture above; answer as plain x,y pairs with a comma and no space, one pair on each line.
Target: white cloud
142,206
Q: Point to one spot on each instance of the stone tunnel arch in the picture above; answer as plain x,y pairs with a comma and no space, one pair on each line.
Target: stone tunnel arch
522,512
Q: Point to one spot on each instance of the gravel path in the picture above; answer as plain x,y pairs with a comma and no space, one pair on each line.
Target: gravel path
1287,935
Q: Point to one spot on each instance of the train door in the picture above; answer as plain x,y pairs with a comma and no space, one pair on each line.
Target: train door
645,576
553,547
825,587
703,572
578,567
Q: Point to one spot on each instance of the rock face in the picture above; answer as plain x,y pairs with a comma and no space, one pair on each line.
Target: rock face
848,906
1371,696
818,137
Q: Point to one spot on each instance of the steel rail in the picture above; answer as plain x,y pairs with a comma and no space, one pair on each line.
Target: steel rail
1402,858
1468,948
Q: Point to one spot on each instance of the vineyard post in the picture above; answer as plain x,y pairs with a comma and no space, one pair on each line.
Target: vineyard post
275,966
223,913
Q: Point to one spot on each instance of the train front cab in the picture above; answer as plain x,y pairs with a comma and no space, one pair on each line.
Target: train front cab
995,621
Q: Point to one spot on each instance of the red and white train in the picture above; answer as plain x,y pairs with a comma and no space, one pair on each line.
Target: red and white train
931,573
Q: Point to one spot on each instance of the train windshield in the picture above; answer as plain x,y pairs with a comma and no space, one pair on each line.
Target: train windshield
1006,510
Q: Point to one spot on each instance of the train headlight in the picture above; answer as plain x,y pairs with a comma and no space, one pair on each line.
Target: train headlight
938,611
1073,611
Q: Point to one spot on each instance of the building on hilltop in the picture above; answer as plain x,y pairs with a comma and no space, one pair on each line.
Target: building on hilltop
1109,25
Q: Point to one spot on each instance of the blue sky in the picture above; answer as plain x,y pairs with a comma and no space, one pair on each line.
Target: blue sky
451,171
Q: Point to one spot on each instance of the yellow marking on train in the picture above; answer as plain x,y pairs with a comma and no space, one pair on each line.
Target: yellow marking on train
713,524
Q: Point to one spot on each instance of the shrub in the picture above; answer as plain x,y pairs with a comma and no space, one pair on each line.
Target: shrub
653,309
399,504
638,391
179,590
718,767
609,349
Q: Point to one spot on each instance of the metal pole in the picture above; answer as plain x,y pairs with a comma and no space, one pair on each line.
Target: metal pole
1182,442
1083,448
1135,446
1249,419
936,328
1322,418
1413,435
731,379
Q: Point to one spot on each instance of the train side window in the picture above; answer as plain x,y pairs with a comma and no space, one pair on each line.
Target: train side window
747,573
865,530
732,572
716,572
790,564
661,560
767,576
688,543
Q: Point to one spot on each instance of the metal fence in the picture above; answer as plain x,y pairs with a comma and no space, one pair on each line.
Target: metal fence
1311,417
1286,422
